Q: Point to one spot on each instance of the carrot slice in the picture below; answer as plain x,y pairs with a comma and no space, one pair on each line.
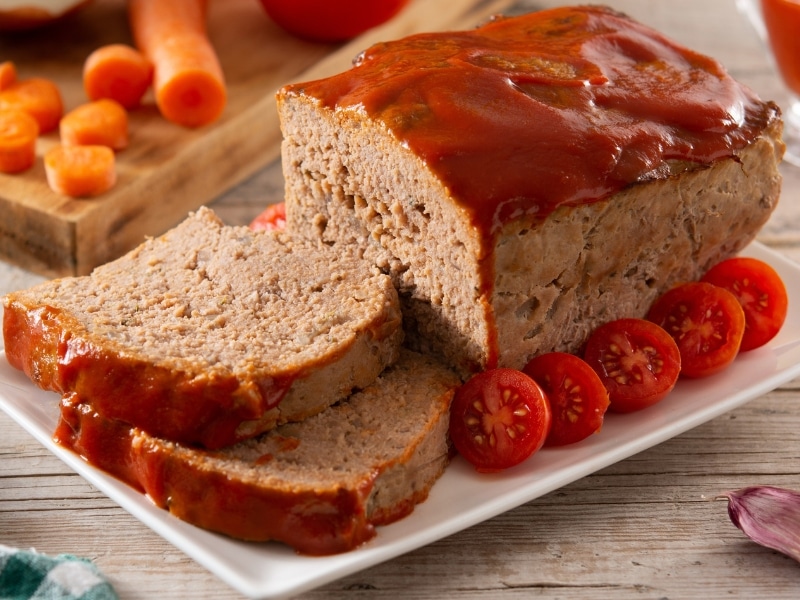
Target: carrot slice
103,122
38,97
118,72
187,79
80,171
18,133
8,74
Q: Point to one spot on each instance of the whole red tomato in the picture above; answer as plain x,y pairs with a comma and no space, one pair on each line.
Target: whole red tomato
331,20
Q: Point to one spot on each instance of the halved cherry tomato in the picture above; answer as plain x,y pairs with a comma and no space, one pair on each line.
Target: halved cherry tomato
498,419
331,20
760,291
272,217
707,323
637,361
578,399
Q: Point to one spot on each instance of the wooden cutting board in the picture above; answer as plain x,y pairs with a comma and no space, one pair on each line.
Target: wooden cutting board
167,170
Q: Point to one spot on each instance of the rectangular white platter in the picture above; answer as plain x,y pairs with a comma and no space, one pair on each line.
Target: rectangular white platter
462,497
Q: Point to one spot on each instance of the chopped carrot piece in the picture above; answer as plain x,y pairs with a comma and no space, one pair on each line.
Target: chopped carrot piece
38,97
118,72
80,171
103,122
8,74
187,79
18,133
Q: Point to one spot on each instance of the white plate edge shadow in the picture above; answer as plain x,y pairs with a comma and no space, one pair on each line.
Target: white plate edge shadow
462,498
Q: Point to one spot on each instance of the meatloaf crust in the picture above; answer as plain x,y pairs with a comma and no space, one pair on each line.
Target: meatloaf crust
209,334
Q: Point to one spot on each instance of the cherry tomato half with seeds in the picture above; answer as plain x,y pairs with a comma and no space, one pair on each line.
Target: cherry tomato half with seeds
578,399
272,217
498,418
707,323
760,291
638,362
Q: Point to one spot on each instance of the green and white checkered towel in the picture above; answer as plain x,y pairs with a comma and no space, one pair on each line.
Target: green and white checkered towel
29,575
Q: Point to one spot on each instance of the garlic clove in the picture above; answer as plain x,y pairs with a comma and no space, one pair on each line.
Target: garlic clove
768,515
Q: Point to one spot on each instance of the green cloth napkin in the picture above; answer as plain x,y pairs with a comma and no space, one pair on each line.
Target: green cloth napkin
29,575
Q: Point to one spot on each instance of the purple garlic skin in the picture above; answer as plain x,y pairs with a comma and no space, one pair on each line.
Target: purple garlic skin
770,516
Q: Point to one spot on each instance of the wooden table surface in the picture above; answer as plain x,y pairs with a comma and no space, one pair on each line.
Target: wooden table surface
646,527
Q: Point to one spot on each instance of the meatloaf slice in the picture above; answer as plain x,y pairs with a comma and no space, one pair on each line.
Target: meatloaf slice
320,486
527,180
209,334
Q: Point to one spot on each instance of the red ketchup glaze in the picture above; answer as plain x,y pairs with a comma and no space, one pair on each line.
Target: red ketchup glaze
28,334
558,107
198,409
104,443
313,522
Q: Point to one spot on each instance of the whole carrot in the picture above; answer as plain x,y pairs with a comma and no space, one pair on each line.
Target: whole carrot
18,133
38,97
103,122
187,79
118,72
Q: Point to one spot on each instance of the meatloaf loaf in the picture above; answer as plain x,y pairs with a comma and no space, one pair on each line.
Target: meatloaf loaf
320,486
530,179
209,334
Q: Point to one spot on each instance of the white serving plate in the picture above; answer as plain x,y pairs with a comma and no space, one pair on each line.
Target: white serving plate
462,497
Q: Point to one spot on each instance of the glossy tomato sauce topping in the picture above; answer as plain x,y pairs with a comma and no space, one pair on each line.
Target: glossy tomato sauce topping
564,106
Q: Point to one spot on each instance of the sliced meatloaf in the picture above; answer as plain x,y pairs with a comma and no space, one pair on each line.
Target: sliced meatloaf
320,486
209,334
526,181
